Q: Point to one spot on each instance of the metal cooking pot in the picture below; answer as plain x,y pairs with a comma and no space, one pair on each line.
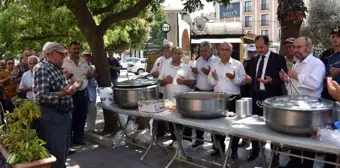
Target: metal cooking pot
297,115
128,93
202,105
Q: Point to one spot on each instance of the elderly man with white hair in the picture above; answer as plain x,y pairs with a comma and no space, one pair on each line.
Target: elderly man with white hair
54,96
26,82
159,64
227,75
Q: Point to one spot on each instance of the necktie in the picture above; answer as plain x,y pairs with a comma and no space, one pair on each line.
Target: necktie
259,74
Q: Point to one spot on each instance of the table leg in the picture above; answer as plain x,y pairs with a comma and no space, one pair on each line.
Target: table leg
218,144
228,152
123,127
263,156
337,161
272,153
154,139
179,148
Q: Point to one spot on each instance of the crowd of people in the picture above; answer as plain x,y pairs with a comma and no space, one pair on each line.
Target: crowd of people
264,74
63,82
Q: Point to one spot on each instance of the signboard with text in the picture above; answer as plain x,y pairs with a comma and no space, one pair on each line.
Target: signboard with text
230,11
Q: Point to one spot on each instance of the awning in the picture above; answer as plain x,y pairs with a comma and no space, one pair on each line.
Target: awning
214,41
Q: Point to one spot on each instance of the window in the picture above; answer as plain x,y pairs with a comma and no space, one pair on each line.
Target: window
264,4
264,32
247,6
247,21
265,20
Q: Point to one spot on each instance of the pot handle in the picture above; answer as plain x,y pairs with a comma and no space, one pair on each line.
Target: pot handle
231,98
259,103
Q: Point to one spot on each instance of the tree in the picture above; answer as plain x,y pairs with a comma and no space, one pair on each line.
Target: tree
157,33
95,17
290,14
320,21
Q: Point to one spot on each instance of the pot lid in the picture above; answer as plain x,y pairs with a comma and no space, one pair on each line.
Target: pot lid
299,103
142,82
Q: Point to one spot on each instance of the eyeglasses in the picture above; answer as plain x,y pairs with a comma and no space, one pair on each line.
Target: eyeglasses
10,63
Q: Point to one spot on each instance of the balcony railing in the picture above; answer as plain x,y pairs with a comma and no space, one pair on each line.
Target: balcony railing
265,6
264,22
247,9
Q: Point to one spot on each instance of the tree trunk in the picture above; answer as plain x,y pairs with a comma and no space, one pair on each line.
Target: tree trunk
102,68
289,28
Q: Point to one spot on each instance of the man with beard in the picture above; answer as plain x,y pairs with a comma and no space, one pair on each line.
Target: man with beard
289,50
307,78
76,67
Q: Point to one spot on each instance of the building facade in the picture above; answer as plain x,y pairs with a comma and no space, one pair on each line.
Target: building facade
257,16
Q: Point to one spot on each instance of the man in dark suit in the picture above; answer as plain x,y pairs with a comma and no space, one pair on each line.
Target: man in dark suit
265,82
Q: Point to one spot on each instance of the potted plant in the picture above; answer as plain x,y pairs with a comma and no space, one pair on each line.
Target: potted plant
20,144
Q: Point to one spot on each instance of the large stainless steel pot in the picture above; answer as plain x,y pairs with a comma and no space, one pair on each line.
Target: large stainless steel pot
202,105
297,115
128,93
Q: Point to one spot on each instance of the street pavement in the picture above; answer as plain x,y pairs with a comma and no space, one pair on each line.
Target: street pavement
127,156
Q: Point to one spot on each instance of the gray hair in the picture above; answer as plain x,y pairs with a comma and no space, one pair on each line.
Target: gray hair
206,43
230,45
309,41
33,57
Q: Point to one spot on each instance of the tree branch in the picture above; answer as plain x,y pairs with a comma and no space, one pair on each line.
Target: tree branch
122,15
107,8
26,38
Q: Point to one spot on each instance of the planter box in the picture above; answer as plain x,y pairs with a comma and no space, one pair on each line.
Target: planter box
43,163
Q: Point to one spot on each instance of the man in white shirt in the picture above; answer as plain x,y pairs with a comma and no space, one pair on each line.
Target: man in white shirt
176,78
202,70
305,78
75,66
162,62
26,82
159,64
227,75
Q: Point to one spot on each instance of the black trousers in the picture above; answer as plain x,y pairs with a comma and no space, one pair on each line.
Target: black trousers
297,161
161,125
80,100
257,96
330,158
221,138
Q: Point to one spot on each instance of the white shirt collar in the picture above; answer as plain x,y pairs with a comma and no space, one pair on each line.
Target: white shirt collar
307,59
231,61
268,54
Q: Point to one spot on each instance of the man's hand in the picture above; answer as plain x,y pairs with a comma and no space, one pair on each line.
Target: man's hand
89,74
77,84
155,74
333,71
266,80
231,76
248,79
284,76
205,70
214,74
180,80
292,74
333,88
169,79
193,69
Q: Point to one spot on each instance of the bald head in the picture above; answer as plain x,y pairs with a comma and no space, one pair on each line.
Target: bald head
302,47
